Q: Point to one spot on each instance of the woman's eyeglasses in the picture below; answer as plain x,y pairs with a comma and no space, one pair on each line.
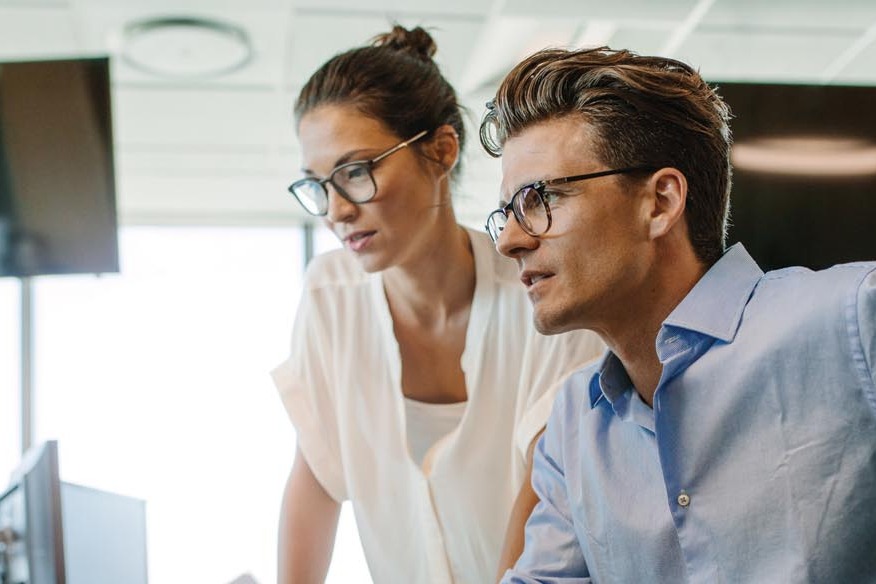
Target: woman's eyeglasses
354,181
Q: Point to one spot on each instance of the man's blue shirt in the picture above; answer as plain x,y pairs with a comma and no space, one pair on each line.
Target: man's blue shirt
757,463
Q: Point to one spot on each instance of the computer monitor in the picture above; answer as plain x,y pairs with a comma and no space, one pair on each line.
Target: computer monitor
31,531
54,532
57,173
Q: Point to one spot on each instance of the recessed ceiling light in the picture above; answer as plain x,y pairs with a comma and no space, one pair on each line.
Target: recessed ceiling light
806,155
185,47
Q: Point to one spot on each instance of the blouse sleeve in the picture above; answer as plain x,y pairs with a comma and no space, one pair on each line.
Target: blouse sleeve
551,360
306,389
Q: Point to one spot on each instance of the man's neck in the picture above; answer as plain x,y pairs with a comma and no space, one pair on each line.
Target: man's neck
634,340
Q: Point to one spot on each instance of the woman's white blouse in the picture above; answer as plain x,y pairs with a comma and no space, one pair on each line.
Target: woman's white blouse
443,521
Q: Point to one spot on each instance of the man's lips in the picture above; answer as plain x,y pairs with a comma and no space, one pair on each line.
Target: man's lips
532,277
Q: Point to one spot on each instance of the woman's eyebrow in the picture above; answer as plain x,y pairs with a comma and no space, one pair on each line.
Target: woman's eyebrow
352,156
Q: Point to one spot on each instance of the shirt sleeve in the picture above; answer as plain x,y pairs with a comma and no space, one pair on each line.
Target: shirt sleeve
552,553
866,323
303,381
552,360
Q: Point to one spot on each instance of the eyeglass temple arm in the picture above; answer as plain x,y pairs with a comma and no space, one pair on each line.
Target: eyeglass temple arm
404,144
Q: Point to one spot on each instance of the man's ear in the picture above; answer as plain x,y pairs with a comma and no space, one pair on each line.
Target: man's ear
443,148
668,188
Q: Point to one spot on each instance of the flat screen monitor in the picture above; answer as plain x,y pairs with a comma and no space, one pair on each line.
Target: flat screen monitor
804,182
57,175
53,532
31,531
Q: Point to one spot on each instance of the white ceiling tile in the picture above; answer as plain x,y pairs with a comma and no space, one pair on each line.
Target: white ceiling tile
861,70
391,8
201,118
317,38
814,15
761,57
665,10
505,41
37,32
643,42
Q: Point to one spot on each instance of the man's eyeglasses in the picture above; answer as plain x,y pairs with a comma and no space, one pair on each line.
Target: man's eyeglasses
354,181
530,207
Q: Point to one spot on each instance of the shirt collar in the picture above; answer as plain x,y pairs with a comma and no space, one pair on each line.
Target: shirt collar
714,306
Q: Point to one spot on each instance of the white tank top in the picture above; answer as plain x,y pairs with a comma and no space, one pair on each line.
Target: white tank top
427,423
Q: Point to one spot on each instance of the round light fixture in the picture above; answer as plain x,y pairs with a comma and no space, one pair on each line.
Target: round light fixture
185,47
806,155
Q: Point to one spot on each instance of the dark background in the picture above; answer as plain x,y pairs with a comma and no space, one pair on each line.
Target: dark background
802,220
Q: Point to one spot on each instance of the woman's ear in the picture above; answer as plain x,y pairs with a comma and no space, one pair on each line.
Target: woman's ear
443,148
668,192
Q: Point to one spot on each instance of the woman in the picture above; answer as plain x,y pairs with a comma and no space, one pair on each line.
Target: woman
416,382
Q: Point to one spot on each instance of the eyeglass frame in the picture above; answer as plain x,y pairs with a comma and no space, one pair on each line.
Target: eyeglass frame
369,166
539,186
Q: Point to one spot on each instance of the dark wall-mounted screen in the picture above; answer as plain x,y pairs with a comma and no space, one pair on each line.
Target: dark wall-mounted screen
57,178
804,187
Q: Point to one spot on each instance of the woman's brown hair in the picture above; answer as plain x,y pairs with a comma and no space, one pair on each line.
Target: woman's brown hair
393,80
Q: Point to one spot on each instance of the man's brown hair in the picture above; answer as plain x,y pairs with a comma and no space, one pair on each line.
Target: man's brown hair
645,111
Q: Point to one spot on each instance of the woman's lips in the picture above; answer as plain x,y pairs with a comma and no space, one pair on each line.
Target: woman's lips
359,240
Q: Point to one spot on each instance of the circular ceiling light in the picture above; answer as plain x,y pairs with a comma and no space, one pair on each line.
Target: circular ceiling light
185,47
806,155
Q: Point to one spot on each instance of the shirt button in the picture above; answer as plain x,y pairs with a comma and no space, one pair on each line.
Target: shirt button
683,499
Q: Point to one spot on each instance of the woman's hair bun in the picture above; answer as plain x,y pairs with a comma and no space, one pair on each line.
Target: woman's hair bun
416,41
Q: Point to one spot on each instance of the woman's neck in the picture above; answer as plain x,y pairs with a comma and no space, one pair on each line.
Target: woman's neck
436,285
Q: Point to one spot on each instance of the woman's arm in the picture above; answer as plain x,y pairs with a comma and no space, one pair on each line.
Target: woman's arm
523,506
308,522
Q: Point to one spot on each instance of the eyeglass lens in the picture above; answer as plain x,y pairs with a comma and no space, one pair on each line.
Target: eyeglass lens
353,181
529,210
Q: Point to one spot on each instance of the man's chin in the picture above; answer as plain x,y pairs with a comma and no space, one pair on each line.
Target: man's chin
548,324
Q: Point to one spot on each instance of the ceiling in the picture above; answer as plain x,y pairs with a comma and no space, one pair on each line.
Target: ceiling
220,149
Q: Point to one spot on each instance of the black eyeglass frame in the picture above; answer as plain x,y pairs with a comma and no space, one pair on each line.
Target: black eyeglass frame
538,187
367,164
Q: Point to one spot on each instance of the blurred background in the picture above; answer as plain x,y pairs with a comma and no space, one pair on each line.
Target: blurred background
154,378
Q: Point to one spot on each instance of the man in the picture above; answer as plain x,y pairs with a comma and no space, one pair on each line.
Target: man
729,433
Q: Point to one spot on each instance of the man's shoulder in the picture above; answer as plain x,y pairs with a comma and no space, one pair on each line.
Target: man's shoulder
803,306
798,284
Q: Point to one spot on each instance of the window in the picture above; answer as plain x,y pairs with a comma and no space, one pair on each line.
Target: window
10,380
155,384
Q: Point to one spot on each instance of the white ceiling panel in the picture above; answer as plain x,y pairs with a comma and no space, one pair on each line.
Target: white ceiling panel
643,42
310,47
783,58
198,118
506,40
421,8
861,70
665,10
40,31
814,15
